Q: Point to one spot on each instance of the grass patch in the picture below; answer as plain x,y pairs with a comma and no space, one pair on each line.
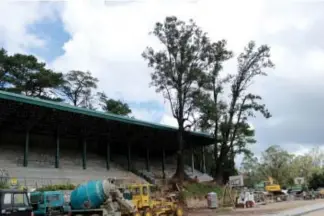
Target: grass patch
199,190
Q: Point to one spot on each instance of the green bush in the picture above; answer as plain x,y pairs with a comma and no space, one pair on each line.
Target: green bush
199,190
4,185
57,187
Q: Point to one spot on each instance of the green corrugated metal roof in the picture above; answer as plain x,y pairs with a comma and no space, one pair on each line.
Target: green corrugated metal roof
69,108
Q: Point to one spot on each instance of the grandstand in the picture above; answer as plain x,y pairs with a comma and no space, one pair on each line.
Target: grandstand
44,142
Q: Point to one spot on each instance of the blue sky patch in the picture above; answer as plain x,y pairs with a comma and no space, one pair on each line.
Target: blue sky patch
152,105
53,33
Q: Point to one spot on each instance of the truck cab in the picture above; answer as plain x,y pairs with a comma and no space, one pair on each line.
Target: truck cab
48,203
15,203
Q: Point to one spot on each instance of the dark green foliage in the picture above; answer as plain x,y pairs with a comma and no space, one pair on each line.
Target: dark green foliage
3,68
317,180
57,187
114,106
177,70
25,75
228,119
78,88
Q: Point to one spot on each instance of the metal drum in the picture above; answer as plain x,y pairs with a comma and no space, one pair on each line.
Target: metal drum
212,200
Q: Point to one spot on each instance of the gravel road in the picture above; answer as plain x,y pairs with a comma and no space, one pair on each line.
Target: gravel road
258,210
317,213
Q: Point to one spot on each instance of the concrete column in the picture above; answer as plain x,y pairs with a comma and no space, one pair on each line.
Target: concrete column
57,155
26,148
84,153
148,159
108,156
163,163
129,157
204,159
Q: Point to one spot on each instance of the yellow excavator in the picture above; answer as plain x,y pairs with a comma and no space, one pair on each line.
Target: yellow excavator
273,188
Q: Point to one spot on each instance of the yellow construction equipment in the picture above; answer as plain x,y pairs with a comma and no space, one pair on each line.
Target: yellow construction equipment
141,197
273,189
272,186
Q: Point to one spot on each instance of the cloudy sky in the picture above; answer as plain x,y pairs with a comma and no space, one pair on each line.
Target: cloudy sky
108,37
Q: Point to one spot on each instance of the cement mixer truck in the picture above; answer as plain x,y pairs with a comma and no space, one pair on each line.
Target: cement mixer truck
100,198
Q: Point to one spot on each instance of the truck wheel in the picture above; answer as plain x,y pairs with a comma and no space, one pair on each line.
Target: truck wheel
137,214
178,211
148,212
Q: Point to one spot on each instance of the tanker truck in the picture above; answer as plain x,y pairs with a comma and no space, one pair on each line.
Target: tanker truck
100,198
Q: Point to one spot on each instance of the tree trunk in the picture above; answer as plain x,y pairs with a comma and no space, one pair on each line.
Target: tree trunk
180,162
219,175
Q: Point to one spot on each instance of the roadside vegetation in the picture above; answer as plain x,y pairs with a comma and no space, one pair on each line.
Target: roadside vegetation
57,187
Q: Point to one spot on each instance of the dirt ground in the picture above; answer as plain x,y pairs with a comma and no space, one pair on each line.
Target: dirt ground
257,210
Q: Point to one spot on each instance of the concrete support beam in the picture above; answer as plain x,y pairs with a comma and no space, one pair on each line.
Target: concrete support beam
84,153
26,149
108,155
148,159
57,153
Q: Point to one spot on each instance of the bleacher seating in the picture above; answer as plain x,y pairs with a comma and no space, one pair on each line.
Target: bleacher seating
41,171
41,168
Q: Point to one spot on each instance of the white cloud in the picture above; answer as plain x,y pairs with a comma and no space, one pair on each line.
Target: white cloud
315,58
109,40
169,120
15,18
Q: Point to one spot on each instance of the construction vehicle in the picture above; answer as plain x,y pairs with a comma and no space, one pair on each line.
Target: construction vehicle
274,189
271,186
100,198
14,202
141,197
48,203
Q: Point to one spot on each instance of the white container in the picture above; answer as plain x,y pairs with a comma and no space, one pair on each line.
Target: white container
212,200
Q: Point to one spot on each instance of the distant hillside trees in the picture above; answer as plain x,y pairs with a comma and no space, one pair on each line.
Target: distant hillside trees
284,167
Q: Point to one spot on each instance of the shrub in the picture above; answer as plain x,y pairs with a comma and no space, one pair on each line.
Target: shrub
57,187
199,190
4,185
